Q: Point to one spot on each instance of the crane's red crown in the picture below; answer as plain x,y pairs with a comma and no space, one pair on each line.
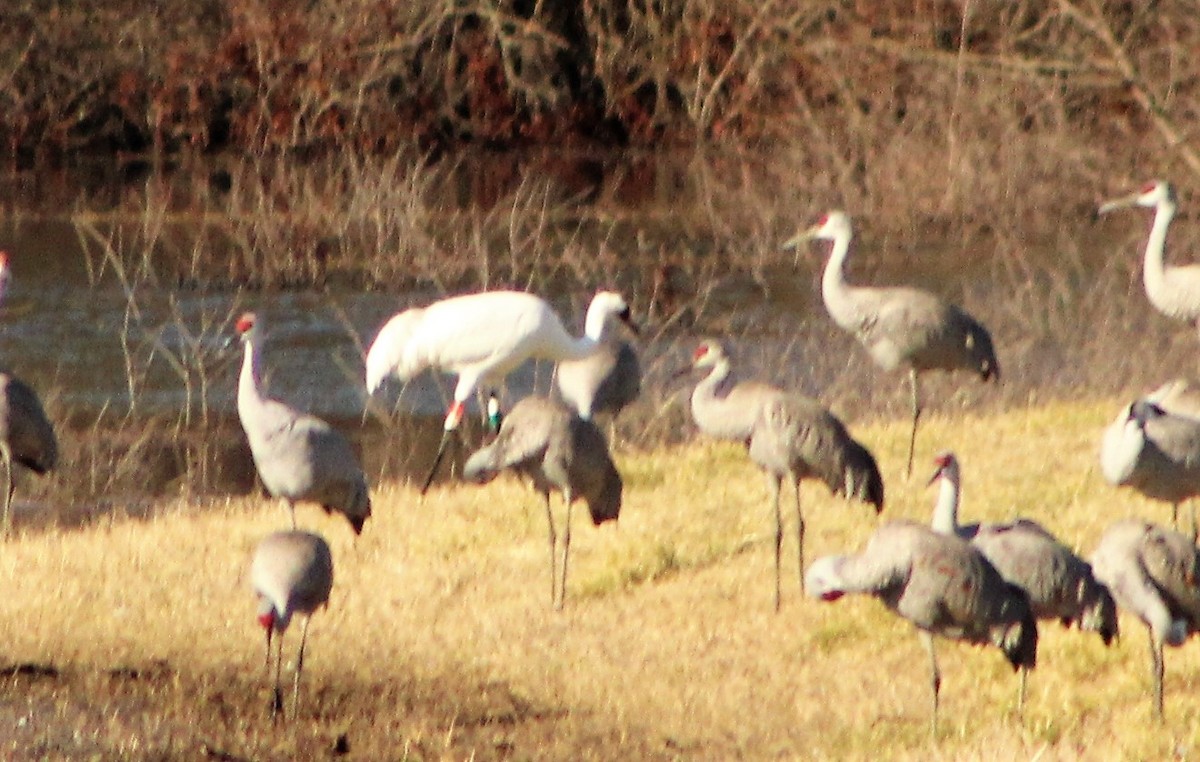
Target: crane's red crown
943,460
267,619
700,352
1148,187
245,322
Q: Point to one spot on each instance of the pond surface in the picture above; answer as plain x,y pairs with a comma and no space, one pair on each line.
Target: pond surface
1069,317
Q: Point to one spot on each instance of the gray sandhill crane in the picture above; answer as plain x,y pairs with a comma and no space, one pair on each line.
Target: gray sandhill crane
1173,290
482,338
1060,584
559,451
900,325
1153,573
292,574
942,584
788,435
603,383
1155,452
26,435
299,457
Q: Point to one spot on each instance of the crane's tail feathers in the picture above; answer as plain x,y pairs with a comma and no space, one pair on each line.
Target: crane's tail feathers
1019,639
862,480
1100,614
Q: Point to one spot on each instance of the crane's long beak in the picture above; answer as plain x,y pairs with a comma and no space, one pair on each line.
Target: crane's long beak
797,240
1118,203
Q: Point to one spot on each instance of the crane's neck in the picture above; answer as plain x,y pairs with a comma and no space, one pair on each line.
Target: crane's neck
945,512
249,383
710,386
1154,268
834,288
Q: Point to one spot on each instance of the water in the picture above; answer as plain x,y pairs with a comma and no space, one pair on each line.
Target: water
1068,316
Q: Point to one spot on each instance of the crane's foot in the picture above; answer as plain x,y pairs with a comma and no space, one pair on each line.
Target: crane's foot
276,704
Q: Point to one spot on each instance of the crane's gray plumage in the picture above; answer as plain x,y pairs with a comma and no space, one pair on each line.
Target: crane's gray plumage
26,435
558,451
940,583
292,574
1155,452
1153,573
299,457
900,325
1060,584
1173,290
789,436
603,383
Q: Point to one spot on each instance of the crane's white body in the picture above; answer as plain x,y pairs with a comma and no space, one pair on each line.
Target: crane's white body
1180,396
559,452
899,325
482,338
299,457
787,436
1153,451
26,434
1173,290
1154,574
292,574
940,583
1060,584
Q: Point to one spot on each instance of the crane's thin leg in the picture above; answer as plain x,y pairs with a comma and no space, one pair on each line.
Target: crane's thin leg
1156,668
1021,691
553,551
6,454
566,549
291,506
268,664
437,460
1175,515
935,679
916,414
773,484
277,694
299,669
799,537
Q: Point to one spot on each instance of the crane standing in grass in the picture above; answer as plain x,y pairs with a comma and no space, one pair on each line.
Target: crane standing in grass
899,325
482,338
299,457
940,583
1154,451
1154,574
1060,584
292,574
26,435
558,451
1173,290
788,435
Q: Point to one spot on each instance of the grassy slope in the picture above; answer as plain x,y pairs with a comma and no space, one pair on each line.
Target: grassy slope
138,637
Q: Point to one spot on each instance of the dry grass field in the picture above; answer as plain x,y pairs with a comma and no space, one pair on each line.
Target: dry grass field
136,638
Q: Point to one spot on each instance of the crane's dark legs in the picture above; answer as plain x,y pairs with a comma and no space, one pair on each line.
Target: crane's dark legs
916,414
6,455
799,536
935,679
1156,669
291,507
277,693
1021,691
566,549
773,484
299,668
553,550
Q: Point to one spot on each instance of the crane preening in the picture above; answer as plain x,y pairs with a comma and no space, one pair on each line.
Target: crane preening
560,452
481,338
292,575
299,457
899,325
1173,290
1153,573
